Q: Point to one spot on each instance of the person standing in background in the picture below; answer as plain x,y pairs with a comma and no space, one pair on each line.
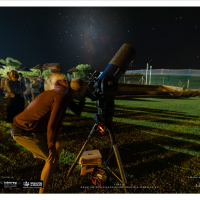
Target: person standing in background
21,78
1,92
3,80
27,94
1,102
35,88
41,80
1,105
14,88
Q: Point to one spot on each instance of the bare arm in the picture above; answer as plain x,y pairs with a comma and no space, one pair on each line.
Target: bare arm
76,109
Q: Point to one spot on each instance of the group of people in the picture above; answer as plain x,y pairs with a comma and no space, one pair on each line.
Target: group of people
33,89
38,127
19,92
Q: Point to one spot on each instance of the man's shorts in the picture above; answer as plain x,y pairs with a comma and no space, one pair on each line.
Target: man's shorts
34,142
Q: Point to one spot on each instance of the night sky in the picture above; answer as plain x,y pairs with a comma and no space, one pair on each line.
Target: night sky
165,37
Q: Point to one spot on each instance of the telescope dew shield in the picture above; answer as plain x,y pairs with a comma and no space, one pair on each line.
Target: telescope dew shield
120,62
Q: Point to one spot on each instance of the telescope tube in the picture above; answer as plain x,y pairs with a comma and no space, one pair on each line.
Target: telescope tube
120,62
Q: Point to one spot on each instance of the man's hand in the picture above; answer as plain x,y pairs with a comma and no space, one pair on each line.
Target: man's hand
53,155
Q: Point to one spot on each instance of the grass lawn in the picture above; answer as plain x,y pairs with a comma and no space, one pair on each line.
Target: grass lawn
158,141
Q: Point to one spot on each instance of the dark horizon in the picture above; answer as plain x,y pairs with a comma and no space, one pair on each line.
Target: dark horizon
164,37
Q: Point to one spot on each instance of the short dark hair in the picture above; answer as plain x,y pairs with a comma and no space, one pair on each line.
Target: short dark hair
20,73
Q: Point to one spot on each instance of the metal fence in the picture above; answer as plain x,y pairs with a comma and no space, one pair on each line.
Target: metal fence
187,78
168,72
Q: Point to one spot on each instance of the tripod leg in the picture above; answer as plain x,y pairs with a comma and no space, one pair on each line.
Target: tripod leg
118,159
120,166
82,149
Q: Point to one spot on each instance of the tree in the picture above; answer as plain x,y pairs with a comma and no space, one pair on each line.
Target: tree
46,73
84,72
11,62
8,65
34,72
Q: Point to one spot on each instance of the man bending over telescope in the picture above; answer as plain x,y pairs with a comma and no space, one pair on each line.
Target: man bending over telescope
37,127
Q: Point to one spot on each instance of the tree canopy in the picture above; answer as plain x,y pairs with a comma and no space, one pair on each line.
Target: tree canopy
11,62
84,72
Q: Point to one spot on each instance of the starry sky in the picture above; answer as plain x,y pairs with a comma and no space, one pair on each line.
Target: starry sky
164,37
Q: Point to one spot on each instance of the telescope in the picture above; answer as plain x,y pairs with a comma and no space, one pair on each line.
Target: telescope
106,85
105,90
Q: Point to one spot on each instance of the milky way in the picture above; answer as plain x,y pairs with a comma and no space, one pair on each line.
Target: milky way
165,37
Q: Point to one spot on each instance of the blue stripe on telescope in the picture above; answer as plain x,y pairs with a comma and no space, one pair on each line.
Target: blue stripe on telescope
111,70
120,62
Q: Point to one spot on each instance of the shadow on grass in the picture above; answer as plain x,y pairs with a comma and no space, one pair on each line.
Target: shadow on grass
136,146
143,112
148,115
141,159
151,112
141,98
145,152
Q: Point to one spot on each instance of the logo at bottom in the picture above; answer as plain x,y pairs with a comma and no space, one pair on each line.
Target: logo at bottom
32,184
